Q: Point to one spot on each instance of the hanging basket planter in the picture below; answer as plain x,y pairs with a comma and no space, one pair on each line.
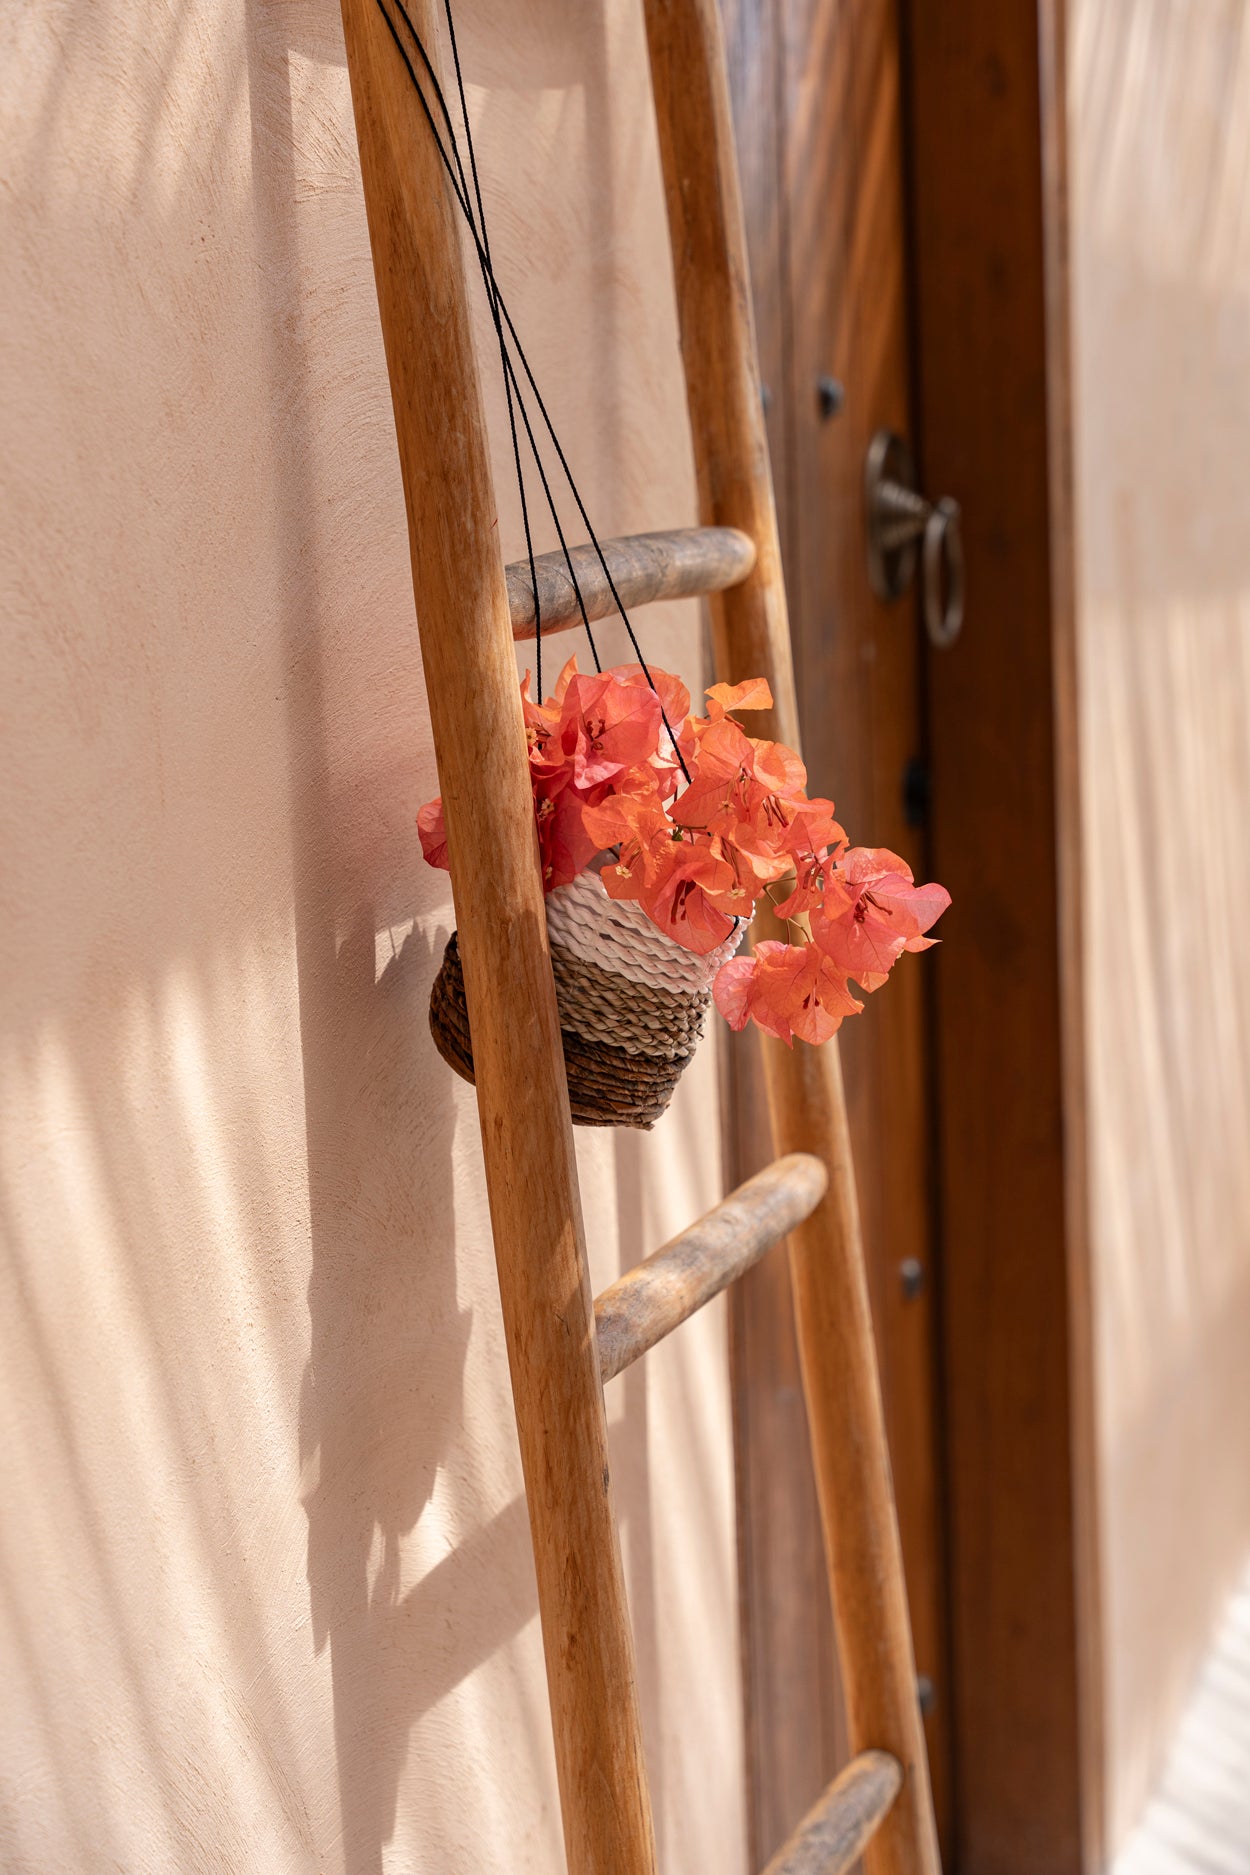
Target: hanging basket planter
701,821
632,1005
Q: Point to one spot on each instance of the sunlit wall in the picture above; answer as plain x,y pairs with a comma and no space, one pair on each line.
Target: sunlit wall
266,1597
1160,127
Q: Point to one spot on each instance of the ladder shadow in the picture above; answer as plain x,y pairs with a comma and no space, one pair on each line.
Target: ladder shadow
382,1399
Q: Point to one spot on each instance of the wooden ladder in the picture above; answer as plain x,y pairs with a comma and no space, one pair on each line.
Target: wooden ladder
562,1347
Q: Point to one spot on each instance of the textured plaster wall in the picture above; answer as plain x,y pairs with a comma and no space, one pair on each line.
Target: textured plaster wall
1160,118
266,1598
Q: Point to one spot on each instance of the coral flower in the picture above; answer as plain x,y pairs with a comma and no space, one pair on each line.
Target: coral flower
754,694
608,754
738,782
433,830
597,737
607,728
873,911
811,842
687,887
786,990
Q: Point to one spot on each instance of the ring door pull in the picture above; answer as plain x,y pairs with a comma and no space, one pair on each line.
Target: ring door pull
903,528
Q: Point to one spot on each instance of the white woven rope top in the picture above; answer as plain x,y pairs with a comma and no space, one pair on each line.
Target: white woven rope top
617,935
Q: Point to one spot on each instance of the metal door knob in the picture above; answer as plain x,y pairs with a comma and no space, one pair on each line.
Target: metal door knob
903,527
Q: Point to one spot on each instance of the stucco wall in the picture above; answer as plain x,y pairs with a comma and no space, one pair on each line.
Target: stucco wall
266,1599
1160,120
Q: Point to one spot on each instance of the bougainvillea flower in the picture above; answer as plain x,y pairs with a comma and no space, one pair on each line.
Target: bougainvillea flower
543,718
608,727
564,846
686,886
542,725
786,990
811,842
433,830
812,830
754,694
608,754
597,736
652,853
755,774
873,911
675,703
688,897
737,782
639,830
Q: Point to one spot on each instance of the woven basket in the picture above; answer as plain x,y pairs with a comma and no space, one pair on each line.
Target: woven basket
632,1005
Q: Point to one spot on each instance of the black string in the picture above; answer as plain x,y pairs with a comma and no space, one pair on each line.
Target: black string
492,290
501,317
495,299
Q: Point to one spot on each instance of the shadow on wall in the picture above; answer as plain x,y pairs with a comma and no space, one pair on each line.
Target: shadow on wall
214,721
384,1321
382,1406
382,1401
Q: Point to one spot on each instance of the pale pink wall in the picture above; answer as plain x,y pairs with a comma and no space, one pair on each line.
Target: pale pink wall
266,1600
1160,121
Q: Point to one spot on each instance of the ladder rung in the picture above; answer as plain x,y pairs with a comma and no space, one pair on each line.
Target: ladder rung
656,1297
676,565
839,1826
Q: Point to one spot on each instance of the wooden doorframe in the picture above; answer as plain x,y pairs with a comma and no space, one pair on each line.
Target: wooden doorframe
984,134
985,118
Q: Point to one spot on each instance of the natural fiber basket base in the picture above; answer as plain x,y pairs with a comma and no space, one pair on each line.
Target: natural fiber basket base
608,1086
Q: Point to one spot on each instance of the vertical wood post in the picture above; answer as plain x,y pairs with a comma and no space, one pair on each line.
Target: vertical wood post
527,1139
989,265
806,1099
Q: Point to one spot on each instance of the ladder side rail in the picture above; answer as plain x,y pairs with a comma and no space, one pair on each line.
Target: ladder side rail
527,1140
805,1091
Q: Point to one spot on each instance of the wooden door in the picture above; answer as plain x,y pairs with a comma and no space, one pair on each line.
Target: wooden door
817,111
904,174
986,133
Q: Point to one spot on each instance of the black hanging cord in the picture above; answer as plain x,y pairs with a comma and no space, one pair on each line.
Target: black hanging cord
492,291
501,317
460,190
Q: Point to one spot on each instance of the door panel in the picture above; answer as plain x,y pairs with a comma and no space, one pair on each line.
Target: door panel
985,122
818,123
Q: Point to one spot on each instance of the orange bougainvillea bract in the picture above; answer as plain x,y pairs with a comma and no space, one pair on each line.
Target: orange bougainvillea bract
698,821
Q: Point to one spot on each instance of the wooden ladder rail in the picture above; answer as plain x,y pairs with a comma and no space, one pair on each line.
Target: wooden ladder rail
466,634
483,771
807,1104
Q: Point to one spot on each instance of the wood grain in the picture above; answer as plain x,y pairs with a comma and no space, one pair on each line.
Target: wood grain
818,126
467,651
644,567
859,676
985,130
793,1715
838,1828
1092,1723
648,1302
808,1109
